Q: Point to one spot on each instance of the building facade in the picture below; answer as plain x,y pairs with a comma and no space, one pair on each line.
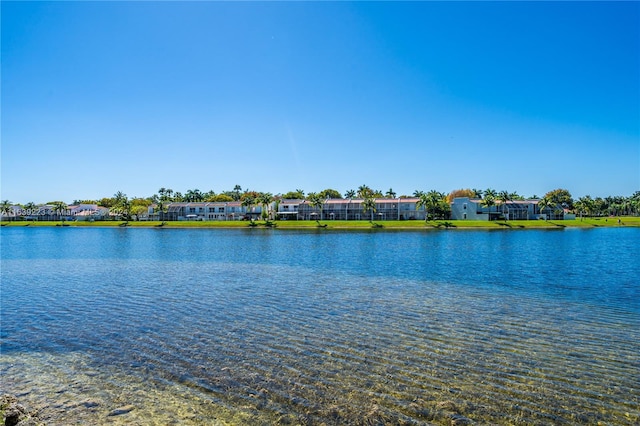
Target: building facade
205,211
353,209
332,209
465,208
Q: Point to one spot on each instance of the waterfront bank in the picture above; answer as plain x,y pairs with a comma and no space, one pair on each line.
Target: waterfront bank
350,224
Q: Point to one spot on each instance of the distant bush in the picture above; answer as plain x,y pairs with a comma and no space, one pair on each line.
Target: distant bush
458,193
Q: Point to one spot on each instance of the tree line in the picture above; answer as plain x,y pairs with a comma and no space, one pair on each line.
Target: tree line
435,203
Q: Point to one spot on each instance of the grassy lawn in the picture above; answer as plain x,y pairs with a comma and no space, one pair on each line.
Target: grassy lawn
360,224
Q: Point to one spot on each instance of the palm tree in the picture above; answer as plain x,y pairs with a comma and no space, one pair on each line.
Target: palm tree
349,195
125,209
629,205
60,207
164,197
248,202
5,208
504,197
194,196
615,205
489,200
545,203
161,207
423,202
390,193
598,206
369,205
364,191
580,206
477,193
276,206
438,203
490,192
430,201
265,199
634,203
316,201
119,197
30,209
236,192
122,206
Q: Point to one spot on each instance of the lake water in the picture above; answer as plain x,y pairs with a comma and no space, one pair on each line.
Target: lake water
255,326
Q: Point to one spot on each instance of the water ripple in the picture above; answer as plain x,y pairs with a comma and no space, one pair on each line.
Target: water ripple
247,342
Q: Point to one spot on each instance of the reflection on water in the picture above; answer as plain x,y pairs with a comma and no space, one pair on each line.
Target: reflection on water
134,326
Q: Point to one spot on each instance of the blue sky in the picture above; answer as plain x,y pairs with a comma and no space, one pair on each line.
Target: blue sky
99,97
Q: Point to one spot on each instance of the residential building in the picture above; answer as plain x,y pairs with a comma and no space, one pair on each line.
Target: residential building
201,211
288,209
465,208
353,209
333,209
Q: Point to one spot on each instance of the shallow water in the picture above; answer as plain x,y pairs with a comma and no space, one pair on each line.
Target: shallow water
303,327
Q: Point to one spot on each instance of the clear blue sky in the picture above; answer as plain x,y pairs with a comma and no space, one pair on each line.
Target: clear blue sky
99,97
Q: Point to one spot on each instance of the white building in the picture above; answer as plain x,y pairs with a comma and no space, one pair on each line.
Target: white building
201,211
288,209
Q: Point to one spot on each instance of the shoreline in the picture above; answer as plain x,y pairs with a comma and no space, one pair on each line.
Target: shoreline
585,223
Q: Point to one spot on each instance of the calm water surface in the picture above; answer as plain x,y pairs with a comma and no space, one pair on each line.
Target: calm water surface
302,327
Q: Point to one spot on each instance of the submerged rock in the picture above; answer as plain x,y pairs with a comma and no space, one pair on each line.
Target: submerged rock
447,406
90,404
121,410
458,419
14,413
7,399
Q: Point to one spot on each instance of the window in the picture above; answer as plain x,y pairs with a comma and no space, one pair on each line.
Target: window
192,209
